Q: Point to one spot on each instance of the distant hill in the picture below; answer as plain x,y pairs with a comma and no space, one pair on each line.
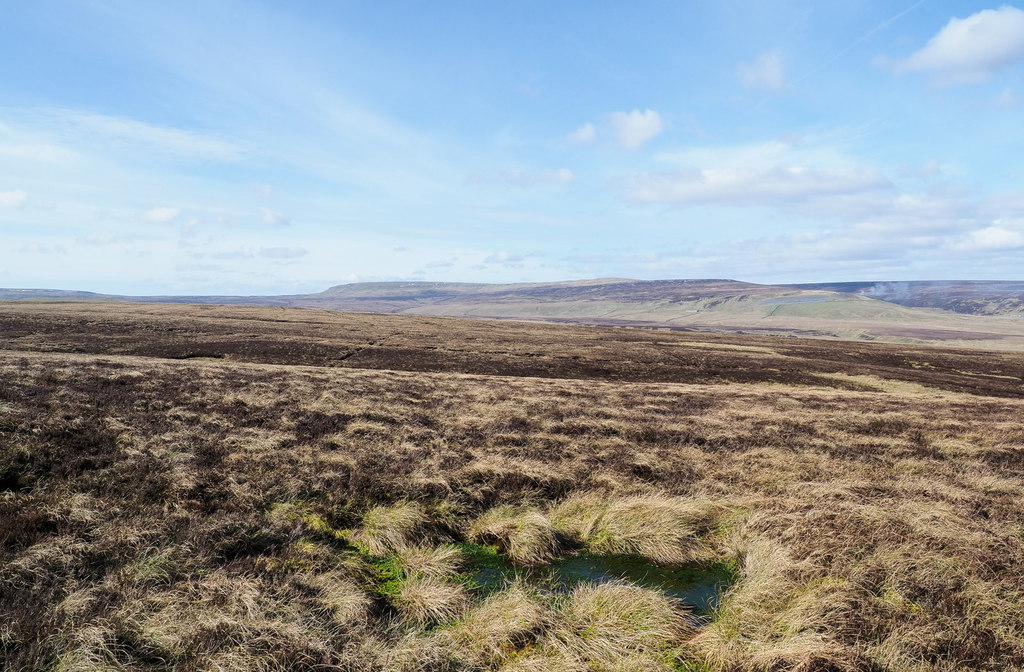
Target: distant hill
969,297
990,313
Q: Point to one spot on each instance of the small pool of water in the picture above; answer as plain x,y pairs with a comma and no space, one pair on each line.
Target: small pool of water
697,586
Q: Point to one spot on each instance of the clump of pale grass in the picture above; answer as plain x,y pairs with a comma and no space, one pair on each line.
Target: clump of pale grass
667,530
90,652
500,627
524,535
409,651
440,562
390,528
348,603
771,618
618,626
428,599
229,622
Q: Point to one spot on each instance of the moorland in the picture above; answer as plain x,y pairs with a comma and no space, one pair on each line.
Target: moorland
208,487
963,314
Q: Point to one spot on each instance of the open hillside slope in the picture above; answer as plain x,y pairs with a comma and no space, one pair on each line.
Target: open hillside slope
967,297
234,488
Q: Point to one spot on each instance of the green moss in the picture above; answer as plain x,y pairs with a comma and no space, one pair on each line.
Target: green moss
388,577
481,554
728,570
487,570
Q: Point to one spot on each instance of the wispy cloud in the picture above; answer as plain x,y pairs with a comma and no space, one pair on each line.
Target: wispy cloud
629,130
773,173
274,218
125,133
13,199
766,73
634,129
738,186
584,135
161,215
993,237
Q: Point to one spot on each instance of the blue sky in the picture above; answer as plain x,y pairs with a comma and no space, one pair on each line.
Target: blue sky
247,147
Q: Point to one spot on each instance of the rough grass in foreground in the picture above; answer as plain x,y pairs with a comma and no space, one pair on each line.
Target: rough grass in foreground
196,515
524,535
615,625
390,528
662,529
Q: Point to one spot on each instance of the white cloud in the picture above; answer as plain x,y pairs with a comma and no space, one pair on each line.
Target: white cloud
992,238
809,152
767,73
584,135
185,143
563,175
634,129
503,258
510,259
969,50
160,215
274,218
879,234
13,199
744,186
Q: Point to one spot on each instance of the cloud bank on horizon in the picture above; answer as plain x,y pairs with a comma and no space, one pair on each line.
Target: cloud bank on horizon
257,147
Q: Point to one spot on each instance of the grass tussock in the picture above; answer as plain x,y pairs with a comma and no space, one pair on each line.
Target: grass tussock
386,529
348,603
442,562
501,627
667,530
526,536
428,599
618,626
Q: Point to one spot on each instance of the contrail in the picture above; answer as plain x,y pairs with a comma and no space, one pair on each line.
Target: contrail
860,40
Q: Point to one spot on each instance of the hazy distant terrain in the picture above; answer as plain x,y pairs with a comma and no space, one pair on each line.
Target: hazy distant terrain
973,314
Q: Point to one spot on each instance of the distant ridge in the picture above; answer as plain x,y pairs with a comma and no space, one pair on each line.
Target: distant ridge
914,312
969,297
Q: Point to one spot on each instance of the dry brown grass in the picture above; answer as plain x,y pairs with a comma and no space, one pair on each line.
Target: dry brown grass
524,535
386,529
442,562
198,515
428,599
500,628
667,530
617,626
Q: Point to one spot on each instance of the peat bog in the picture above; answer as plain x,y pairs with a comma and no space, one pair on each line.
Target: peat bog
232,488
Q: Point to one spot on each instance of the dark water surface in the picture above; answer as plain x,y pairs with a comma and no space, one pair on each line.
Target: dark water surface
697,586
